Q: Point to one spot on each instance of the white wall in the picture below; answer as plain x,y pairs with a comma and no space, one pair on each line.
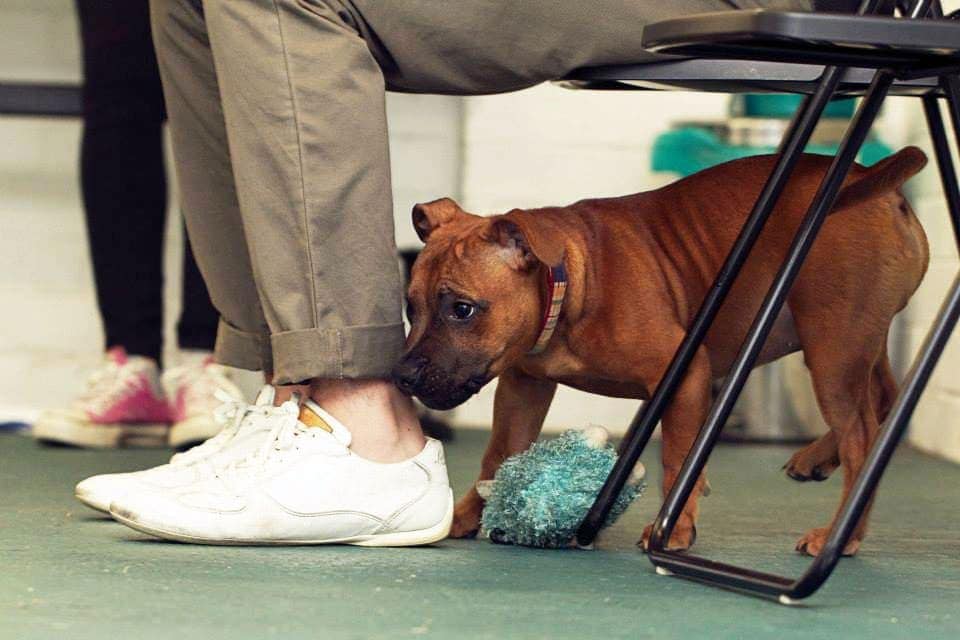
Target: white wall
935,426
45,289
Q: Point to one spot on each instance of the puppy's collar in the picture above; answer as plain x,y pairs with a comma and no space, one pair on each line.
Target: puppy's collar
556,291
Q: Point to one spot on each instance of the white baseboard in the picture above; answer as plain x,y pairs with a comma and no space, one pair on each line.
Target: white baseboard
18,414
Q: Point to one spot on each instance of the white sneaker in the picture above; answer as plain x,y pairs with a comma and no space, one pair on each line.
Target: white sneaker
303,486
191,391
122,406
243,429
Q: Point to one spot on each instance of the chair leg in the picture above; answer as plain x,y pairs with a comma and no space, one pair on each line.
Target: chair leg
890,434
887,440
950,84
646,419
916,381
941,148
750,350
767,315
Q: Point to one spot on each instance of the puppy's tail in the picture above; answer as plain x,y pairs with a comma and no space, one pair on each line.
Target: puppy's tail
883,177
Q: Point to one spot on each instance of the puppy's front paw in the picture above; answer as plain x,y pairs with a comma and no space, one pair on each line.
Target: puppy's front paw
682,538
813,541
466,517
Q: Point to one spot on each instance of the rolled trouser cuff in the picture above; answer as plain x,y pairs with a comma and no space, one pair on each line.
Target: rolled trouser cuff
242,349
367,351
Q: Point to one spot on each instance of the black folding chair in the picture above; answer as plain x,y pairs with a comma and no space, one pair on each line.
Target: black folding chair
917,54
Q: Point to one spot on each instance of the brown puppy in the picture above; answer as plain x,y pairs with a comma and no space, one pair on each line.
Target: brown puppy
638,267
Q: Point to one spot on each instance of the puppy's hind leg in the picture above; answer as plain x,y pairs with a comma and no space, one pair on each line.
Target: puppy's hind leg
816,461
519,407
821,457
851,389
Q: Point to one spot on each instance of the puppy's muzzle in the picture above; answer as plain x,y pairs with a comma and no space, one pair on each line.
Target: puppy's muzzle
408,373
435,386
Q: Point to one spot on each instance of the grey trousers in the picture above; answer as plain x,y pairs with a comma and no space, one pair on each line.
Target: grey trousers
277,115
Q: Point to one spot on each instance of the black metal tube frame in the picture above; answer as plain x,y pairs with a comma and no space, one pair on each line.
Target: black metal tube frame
787,590
645,421
728,575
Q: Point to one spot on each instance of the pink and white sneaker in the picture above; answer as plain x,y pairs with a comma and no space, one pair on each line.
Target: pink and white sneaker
122,406
191,391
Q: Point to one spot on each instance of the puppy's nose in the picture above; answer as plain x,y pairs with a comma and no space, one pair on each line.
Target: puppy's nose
408,373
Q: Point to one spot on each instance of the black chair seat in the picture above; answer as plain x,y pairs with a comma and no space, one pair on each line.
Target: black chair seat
730,76
828,38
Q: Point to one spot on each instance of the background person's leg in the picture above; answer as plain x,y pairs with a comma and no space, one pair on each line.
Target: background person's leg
197,326
208,194
125,198
122,174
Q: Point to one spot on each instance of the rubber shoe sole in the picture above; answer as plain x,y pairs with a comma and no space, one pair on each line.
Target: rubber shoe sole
102,436
420,537
92,502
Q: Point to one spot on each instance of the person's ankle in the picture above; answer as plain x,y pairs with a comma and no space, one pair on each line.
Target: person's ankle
285,391
382,421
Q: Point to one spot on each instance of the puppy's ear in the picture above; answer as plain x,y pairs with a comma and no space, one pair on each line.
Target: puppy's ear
427,217
527,240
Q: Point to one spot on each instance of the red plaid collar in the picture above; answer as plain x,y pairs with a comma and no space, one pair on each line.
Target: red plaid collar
556,291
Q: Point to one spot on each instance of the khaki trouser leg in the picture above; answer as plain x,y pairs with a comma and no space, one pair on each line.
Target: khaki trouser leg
304,105
208,194
491,46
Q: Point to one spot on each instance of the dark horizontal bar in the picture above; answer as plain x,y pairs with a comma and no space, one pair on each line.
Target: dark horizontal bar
912,74
34,99
721,574
737,76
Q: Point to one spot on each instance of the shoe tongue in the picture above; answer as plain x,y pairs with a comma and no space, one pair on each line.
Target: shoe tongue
313,416
266,396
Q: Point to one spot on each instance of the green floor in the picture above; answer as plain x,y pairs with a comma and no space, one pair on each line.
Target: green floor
68,572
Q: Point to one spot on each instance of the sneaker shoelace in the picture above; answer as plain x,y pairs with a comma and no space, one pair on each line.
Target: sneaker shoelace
106,385
230,415
285,435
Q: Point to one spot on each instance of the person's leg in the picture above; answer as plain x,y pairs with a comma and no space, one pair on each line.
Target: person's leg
197,326
303,100
476,47
122,175
208,194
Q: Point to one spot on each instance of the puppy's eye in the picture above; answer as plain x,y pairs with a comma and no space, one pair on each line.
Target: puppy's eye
463,310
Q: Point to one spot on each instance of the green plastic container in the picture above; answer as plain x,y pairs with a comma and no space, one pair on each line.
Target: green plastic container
689,149
773,105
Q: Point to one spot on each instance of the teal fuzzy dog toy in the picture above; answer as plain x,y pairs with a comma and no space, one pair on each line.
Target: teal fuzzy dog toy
539,497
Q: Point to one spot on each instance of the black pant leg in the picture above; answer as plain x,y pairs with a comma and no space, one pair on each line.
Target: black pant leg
122,173
197,327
